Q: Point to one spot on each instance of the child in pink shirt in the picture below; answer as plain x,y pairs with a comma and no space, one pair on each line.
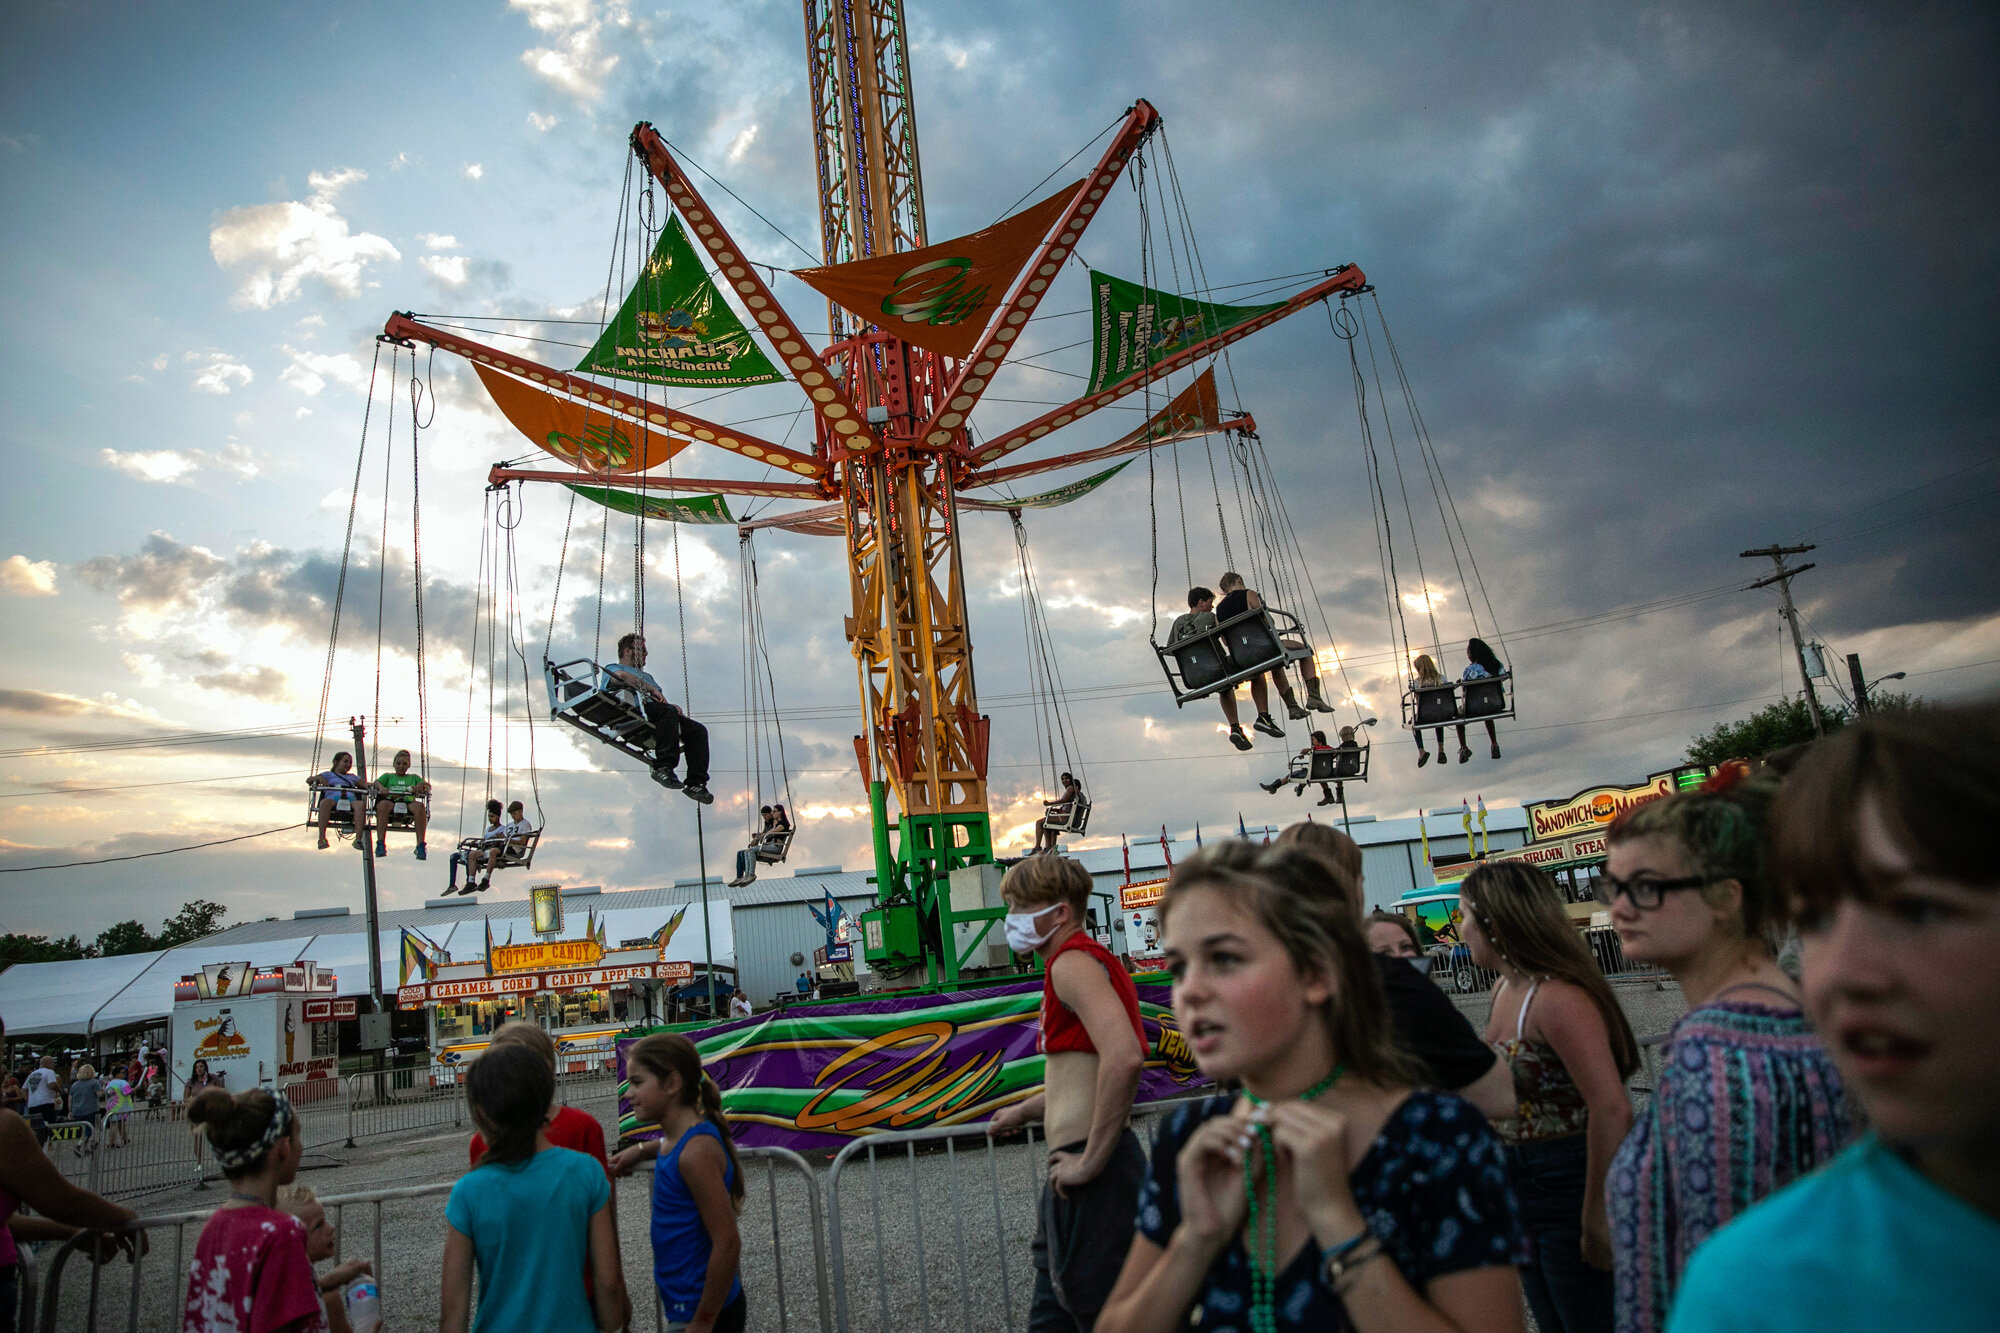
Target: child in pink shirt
250,1271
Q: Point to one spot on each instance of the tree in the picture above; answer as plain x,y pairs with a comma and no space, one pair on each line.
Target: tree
125,937
41,949
1785,723
194,920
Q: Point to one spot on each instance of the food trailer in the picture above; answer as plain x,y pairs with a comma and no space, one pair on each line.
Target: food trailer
272,1027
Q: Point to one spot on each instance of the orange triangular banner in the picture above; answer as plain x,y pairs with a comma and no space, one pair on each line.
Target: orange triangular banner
1193,409
942,297
590,437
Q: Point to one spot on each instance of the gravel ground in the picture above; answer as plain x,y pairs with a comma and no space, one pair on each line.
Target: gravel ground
930,1228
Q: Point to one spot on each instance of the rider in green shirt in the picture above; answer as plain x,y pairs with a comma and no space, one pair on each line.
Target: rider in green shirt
401,785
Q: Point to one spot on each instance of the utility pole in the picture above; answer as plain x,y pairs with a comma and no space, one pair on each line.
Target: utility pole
1783,578
362,808
1860,684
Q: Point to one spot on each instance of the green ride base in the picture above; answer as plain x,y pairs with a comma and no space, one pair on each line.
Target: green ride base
915,925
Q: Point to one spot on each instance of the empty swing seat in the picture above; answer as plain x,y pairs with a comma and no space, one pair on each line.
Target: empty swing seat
577,697
1259,640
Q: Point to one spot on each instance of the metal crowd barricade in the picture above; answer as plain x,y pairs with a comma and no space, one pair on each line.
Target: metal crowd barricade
149,1150
904,1297
157,1280
389,1101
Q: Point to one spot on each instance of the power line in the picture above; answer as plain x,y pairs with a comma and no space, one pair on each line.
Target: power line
140,856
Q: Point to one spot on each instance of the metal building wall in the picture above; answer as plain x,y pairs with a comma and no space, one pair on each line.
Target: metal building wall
768,934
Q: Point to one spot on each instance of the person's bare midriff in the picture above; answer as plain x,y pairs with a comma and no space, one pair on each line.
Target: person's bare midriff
1069,1096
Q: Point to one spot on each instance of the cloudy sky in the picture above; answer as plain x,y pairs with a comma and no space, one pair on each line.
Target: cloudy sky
1670,281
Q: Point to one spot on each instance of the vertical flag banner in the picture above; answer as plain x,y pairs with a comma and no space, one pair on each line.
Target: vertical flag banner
1138,327
942,297
675,328
1485,836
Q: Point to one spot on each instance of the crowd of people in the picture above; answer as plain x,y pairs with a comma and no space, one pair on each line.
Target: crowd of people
1820,1150
50,1090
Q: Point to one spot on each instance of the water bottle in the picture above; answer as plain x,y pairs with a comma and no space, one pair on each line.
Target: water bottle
364,1305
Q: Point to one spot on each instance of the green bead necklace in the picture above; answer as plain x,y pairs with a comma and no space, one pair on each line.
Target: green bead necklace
1261,1234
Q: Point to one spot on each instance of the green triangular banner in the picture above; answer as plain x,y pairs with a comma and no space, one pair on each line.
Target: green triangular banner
675,328
1074,490
674,509
1138,327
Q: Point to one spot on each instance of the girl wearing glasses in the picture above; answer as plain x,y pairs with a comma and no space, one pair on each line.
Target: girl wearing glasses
1747,1099
1570,1051
1883,838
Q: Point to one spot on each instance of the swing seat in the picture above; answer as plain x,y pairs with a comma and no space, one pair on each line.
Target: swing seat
1067,816
1259,640
402,818
519,855
1430,705
606,716
1332,764
772,847
1487,696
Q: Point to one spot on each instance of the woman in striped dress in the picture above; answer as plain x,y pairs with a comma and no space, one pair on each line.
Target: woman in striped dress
1747,1099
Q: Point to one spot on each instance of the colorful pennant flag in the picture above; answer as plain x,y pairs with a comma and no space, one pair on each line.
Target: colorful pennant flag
1166,847
942,297
1139,327
675,328
665,934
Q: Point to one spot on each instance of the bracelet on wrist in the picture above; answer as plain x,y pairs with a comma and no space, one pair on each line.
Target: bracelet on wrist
1337,1264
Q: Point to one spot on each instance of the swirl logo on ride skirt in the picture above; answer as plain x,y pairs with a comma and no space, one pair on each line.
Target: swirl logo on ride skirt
905,1089
603,445
934,293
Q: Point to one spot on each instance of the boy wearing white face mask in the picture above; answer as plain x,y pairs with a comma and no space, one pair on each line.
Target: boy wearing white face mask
1094,1046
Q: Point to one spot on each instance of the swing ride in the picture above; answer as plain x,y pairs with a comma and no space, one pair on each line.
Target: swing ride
918,331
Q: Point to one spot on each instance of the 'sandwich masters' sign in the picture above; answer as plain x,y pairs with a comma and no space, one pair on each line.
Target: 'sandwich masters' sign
1592,809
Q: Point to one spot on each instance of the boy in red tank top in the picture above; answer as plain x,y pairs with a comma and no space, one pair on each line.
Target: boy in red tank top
1094,1047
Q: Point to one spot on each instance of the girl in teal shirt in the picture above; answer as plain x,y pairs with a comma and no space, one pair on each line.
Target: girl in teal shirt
1882,836
526,1215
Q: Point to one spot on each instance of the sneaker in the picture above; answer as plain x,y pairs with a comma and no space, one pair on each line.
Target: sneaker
1465,754
1496,749
1296,710
381,847
1238,739
1423,757
698,791
484,885
324,844
666,778
423,852
1268,725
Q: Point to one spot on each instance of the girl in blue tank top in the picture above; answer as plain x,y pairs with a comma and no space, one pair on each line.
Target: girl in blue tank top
697,1186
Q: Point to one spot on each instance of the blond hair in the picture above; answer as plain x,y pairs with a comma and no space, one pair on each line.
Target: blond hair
1046,880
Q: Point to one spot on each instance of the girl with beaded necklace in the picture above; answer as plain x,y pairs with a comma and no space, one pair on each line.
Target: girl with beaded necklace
250,1269
1330,1192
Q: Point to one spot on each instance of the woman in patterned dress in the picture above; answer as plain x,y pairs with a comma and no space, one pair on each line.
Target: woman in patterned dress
1747,1099
1330,1192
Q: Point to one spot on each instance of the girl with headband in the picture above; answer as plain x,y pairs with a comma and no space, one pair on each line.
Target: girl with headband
250,1268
